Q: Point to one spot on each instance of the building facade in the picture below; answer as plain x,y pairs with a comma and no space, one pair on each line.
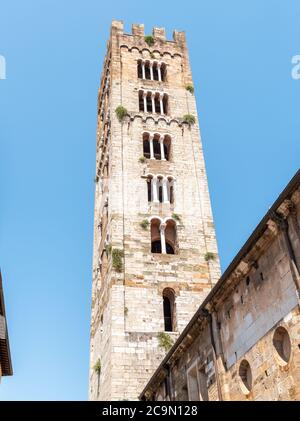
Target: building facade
243,343
155,254
5,359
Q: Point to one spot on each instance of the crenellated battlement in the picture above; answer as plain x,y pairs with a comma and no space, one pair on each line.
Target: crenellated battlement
138,30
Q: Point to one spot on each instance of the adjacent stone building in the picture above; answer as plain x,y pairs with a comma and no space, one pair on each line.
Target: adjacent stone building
243,343
5,360
155,254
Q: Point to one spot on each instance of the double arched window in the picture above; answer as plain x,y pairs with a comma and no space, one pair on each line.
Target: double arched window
160,188
163,236
156,146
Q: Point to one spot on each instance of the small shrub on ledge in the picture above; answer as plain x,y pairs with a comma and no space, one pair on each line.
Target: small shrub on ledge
209,256
176,217
149,40
189,118
97,367
165,341
190,88
117,256
121,112
142,160
144,224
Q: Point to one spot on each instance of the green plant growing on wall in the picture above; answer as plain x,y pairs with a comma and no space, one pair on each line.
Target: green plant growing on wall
176,217
189,118
149,40
145,224
165,341
117,262
142,159
97,367
209,256
121,112
126,311
190,88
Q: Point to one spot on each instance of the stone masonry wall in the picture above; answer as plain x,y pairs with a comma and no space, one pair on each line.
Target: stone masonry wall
127,307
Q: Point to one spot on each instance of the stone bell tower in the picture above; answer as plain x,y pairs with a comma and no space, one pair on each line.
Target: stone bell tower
155,252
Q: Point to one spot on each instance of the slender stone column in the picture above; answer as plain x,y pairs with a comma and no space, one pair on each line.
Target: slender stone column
154,189
165,191
145,102
151,147
159,71
153,102
162,151
151,71
163,238
161,104
143,70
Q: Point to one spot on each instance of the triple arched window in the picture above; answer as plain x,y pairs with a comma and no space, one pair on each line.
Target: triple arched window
153,102
156,146
160,188
151,70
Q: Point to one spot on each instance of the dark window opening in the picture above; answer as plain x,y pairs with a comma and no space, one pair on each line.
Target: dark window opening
157,105
149,103
171,194
165,104
146,148
141,102
169,249
156,246
139,71
155,72
147,71
160,194
167,314
156,149
149,190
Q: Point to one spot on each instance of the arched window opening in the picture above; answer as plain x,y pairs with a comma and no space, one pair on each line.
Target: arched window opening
155,71
169,309
165,104
147,70
245,374
141,101
171,194
155,236
140,72
163,71
146,148
157,104
160,190
149,188
282,345
156,149
170,235
167,147
149,102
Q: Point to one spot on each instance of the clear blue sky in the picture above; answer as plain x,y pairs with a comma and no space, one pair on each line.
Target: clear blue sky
248,108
